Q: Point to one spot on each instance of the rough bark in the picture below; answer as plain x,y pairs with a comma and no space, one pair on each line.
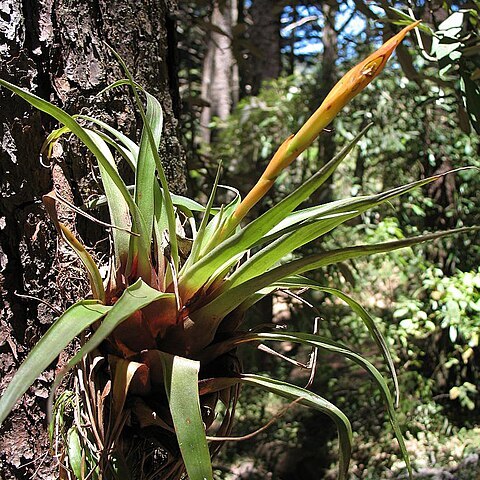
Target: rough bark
56,50
219,75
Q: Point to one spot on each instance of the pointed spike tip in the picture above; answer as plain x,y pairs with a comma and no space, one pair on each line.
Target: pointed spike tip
349,86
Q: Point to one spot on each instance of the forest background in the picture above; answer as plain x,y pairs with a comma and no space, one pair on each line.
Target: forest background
236,78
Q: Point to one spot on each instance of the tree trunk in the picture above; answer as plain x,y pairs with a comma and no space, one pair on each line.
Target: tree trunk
59,54
265,41
220,82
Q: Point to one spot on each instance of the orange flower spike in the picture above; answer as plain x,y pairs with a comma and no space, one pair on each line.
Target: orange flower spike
350,85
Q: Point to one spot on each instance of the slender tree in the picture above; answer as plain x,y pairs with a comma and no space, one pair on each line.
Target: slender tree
220,73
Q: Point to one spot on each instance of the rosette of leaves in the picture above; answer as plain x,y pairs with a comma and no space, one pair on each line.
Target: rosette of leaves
167,319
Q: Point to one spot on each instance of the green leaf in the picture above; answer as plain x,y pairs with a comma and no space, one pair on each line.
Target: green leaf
184,203
192,278
273,253
135,297
331,346
214,233
117,83
312,400
130,145
145,175
181,384
67,120
74,321
200,238
160,225
302,282
359,204
117,206
220,306
74,450
161,173
407,20
189,204
126,147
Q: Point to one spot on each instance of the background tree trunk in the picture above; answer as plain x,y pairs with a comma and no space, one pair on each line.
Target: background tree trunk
265,39
220,82
58,53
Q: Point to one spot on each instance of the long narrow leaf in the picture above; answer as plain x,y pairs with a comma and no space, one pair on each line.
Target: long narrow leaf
359,204
145,175
291,392
328,345
135,297
197,244
67,120
273,253
216,310
73,321
312,400
131,146
96,282
376,334
313,341
117,206
181,385
183,203
161,172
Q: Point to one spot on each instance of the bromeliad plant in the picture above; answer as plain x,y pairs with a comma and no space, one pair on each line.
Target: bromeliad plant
168,318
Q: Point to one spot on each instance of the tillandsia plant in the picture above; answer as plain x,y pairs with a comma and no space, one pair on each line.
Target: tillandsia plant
167,319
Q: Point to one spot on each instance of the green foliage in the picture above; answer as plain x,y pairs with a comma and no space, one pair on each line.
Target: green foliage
446,307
